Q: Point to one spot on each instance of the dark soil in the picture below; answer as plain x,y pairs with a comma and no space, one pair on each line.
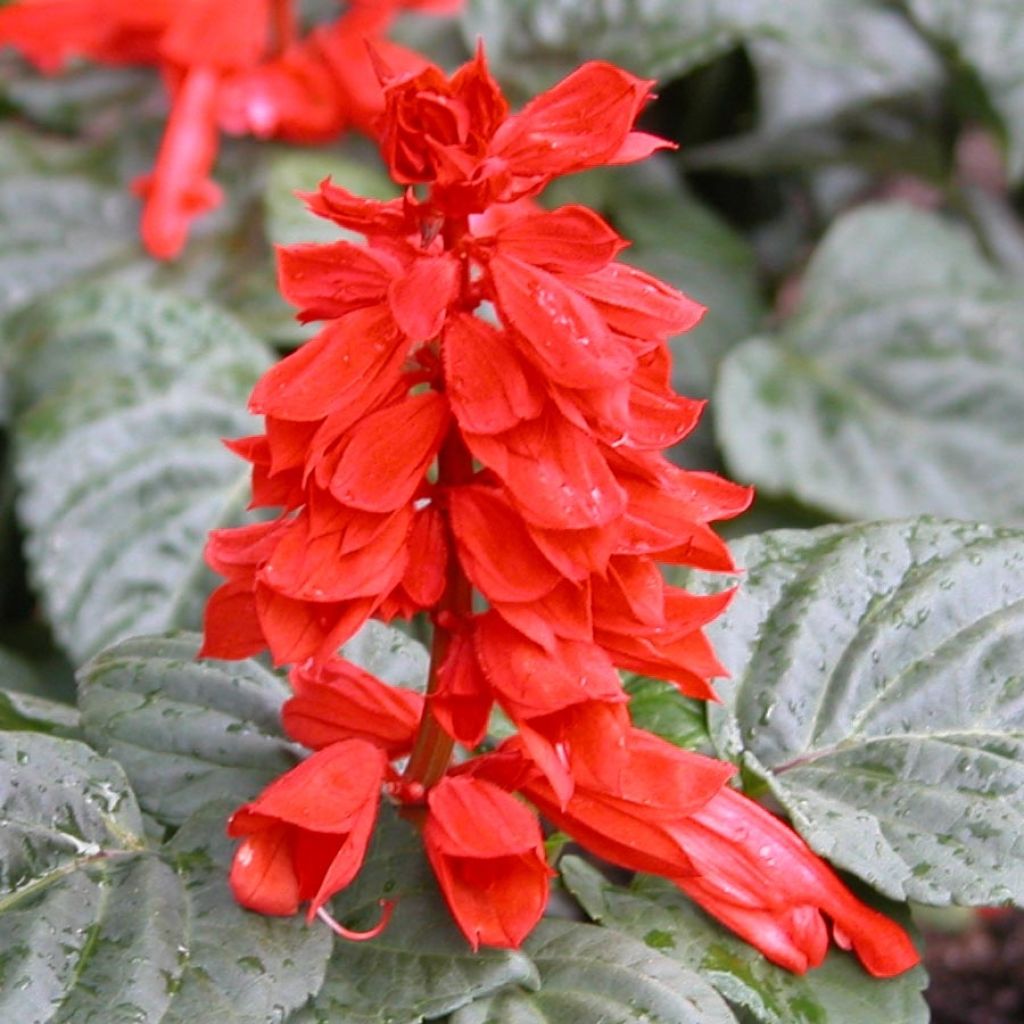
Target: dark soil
977,975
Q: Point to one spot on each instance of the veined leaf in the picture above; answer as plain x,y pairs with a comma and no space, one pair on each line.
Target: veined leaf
988,36
185,731
877,692
655,912
121,465
97,927
593,974
896,389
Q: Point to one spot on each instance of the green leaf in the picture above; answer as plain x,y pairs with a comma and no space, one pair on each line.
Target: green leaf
532,43
657,913
240,967
390,655
76,889
858,92
421,966
56,228
896,389
25,711
593,974
185,731
97,928
876,691
119,456
660,708
987,36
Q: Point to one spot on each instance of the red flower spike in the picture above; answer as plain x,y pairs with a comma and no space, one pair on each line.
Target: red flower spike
306,834
179,188
758,877
429,459
487,852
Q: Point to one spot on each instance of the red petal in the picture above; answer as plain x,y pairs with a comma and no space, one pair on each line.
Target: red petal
487,851
333,370
368,217
297,630
554,472
463,700
563,332
230,627
495,548
315,564
532,681
636,303
389,453
572,240
583,121
341,701
421,296
263,875
327,792
328,281
489,386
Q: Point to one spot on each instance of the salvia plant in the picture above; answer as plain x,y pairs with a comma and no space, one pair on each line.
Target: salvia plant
487,722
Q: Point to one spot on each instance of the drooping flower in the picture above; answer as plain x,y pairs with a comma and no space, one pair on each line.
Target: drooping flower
487,852
759,878
305,836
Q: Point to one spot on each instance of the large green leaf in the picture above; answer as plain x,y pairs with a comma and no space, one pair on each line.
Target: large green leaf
185,731
98,928
55,228
593,974
241,967
126,395
876,691
897,387
988,37
25,711
657,913
421,966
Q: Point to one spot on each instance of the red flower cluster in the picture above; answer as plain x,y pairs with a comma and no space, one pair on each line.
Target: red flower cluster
239,66
475,434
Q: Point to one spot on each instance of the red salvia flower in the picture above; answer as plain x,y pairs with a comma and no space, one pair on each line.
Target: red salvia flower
306,834
487,851
758,877
476,432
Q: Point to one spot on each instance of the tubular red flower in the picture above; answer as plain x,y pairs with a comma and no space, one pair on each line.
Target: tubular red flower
759,878
306,834
487,852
